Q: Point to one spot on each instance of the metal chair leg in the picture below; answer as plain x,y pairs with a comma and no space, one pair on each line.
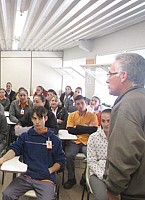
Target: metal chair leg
3,176
83,193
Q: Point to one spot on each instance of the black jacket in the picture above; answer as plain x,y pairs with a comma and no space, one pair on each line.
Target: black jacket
10,96
63,95
63,115
50,123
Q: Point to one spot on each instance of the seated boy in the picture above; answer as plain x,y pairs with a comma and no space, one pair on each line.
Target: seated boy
42,152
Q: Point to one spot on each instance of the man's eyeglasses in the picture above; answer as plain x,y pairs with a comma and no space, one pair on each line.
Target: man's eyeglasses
111,73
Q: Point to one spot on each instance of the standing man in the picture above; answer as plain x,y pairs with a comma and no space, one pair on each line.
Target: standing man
125,168
42,152
9,92
82,124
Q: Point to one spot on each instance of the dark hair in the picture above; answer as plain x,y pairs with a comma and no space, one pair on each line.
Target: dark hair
39,110
22,89
79,97
79,88
42,88
2,89
106,111
53,91
68,86
42,97
9,83
97,98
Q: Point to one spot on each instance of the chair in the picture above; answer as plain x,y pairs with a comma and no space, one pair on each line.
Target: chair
15,166
79,156
87,186
31,193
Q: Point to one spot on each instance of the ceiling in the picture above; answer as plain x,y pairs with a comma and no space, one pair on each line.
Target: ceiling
62,24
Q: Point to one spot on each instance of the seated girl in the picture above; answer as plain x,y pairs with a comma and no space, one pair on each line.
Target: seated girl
96,108
4,100
59,111
96,156
40,90
20,106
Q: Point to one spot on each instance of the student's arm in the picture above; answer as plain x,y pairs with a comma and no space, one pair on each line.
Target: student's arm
12,112
79,130
3,128
1,108
6,107
9,155
54,168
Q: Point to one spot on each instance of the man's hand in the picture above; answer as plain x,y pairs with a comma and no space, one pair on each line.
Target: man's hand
111,196
17,127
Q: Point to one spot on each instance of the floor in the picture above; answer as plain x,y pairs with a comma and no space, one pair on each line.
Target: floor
74,193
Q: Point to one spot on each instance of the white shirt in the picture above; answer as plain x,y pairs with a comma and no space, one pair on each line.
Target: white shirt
97,153
54,111
92,109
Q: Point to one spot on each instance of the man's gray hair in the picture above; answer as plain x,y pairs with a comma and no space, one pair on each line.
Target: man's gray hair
134,65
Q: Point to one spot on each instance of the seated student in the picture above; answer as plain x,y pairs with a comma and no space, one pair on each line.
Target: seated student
82,124
39,100
1,108
66,95
59,111
3,131
96,156
9,92
70,103
20,107
40,90
96,107
4,100
42,152
50,94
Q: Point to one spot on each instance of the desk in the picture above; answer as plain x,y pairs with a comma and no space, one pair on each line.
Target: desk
6,113
14,165
10,122
19,131
64,135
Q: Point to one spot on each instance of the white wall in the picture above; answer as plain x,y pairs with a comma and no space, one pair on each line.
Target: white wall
131,38
127,39
30,69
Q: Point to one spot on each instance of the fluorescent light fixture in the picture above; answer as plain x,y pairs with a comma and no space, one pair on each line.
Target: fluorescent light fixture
19,25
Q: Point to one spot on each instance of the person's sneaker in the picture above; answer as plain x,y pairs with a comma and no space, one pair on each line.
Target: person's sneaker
69,183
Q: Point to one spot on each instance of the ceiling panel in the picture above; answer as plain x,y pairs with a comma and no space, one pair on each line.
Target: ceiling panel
61,24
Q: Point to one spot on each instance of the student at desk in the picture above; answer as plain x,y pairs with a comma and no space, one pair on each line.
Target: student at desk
59,111
9,92
3,131
82,124
39,100
42,152
4,100
21,106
